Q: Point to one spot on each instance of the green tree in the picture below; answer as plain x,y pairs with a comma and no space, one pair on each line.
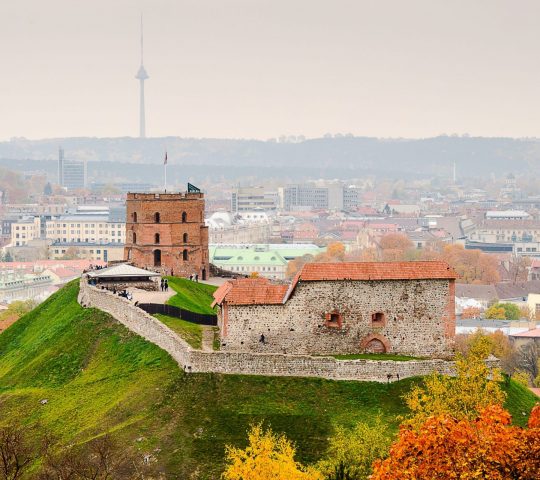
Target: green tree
503,311
351,453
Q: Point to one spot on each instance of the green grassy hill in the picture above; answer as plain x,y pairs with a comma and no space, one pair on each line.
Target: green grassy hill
193,296
98,377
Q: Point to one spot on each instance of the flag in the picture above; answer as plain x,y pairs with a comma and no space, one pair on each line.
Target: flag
165,161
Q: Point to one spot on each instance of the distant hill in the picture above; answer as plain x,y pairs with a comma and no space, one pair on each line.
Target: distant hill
343,156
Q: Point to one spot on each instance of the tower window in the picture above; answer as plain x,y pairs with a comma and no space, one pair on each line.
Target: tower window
156,238
157,217
184,217
134,237
185,238
184,254
134,217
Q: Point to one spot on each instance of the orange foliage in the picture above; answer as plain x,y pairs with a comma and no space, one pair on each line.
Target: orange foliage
446,448
472,266
470,312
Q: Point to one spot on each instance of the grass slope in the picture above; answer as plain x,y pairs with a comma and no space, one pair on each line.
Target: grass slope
99,377
190,332
193,296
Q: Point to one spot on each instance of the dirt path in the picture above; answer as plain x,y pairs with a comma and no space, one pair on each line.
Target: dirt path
207,339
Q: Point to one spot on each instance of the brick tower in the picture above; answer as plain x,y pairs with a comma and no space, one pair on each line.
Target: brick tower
165,232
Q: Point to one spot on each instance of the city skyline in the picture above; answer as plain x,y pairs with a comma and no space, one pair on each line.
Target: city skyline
245,69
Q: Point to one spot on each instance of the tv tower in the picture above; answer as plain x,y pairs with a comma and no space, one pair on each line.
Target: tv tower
142,76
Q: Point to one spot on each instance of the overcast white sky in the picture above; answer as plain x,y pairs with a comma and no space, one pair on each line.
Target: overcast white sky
259,69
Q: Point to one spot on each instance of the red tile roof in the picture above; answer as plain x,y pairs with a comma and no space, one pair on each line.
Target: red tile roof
259,291
250,291
376,271
535,333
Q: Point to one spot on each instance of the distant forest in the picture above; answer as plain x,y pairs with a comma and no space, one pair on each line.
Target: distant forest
134,159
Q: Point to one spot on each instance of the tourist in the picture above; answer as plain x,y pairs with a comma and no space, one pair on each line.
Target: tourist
162,284
191,277
196,277
166,285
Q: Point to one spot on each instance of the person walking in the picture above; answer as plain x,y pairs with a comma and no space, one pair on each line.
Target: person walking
162,284
166,285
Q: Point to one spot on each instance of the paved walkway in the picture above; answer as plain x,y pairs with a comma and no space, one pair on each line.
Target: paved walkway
144,296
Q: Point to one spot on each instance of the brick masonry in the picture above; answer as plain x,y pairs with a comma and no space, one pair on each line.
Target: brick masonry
267,364
418,319
166,232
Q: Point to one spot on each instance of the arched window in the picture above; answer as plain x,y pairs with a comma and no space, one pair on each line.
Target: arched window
157,258
184,217
156,217
134,217
185,238
184,254
134,237
156,238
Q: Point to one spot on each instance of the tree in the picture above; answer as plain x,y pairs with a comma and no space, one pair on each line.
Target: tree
528,359
483,447
503,311
336,251
470,312
351,453
519,269
99,459
474,387
16,452
267,457
495,312
47,191
394,246
472,266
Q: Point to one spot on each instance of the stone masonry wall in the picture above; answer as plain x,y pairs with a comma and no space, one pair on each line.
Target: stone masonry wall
418,319
267,364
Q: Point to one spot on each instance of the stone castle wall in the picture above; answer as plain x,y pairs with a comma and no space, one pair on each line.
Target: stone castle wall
267,364
419,319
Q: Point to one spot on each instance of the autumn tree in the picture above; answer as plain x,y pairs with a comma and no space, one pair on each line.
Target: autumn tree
351,453
268,456
470,312
503,311
394,246
474,387
472,266
483,447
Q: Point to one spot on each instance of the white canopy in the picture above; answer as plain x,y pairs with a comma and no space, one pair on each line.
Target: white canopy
122,270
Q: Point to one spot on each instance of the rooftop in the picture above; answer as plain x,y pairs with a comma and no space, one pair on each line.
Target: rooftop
376,271
250,291
122,270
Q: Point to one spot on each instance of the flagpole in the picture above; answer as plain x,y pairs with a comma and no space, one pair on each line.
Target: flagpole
165,173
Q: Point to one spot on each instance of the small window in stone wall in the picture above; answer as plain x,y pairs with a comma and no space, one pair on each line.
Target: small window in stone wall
333,320
378,319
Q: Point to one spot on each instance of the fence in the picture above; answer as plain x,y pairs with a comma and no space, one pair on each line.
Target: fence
172,311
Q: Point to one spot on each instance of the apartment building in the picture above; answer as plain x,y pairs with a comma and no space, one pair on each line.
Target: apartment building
95,229
24,230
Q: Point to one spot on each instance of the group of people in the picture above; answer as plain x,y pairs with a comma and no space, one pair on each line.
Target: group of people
194,277
164,285
123,293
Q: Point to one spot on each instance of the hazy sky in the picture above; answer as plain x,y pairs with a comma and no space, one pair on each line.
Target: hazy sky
260,69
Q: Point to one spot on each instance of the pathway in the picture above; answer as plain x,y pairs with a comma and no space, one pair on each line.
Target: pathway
207,339
144,296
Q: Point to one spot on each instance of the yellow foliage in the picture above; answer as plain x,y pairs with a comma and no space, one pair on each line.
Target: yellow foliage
474,387
267,457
